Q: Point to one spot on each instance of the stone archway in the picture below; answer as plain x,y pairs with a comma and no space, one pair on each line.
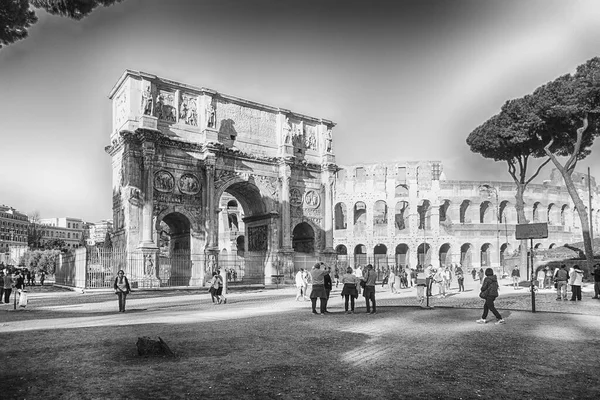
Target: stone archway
176,147
303,238
174,257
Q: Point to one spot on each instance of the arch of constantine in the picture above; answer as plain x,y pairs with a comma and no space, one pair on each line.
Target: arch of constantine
203,180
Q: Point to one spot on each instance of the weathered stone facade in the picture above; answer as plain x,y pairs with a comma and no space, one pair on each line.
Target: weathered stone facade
391,212
177,149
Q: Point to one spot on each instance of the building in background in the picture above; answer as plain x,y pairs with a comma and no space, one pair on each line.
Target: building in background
408,213
68,229
13,234
97,231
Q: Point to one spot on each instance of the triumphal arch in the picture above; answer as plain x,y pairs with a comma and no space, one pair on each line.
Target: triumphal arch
182,156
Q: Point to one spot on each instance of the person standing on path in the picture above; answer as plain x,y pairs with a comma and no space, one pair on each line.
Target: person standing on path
8,285
460,277
300,285
318,289
480,275
328,284
489,292
392,281
576,280
349,290
541,277
596,273
421,283
122,289
516,277
561,276
369,292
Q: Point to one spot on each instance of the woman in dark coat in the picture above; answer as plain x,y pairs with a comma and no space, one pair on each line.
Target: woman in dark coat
489,292
122,289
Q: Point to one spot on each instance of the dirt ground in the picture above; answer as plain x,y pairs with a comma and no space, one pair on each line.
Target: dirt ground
268,347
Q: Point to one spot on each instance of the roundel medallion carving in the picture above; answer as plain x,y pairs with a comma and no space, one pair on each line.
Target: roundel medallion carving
312,199
189,184
164,181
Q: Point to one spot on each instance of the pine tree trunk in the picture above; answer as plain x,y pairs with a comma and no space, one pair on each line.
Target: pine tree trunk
521,219
583,217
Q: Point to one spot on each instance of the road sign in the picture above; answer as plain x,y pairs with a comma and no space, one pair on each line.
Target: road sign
531,231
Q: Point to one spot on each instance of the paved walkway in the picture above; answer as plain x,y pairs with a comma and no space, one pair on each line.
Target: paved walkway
193,308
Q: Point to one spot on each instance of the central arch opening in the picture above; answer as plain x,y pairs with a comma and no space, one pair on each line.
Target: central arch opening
243,233
303,238
174,263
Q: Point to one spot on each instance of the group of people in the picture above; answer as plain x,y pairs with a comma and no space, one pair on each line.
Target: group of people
13,278
561,279
354,282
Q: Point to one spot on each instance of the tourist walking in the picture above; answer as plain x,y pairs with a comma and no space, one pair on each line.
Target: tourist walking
122,289
438,279
349,290
516,276
561,276
306,276
460,277
216,287
392,281
318,289
576,280
398,279
300,285
480,275
369,292
596,273
489,292
42,278
541,277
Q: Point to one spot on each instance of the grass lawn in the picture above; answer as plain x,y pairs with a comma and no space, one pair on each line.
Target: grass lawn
402,352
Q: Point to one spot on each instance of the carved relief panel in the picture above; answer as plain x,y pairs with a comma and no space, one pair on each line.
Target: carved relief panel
188,110
257,238
165,106
121,107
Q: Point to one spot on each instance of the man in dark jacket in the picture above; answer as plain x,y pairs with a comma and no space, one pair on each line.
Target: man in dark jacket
561,277
596,274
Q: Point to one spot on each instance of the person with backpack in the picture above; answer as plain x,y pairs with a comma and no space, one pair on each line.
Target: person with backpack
122,289
561,276
489,292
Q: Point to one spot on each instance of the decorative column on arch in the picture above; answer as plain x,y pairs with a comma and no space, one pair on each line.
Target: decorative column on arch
147,246
286,252
211,251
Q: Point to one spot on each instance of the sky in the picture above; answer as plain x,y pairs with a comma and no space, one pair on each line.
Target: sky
403,80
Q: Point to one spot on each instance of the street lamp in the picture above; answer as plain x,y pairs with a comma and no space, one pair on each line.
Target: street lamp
488,188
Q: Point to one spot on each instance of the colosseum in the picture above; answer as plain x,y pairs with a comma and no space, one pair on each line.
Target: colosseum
407,213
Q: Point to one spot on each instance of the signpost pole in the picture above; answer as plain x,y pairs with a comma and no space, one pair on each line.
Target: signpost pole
531,280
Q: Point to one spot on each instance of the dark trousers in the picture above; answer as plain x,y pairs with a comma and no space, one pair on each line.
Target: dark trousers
576,289
122,296
461,284
370,299
323,304
596,289
7,295
351,298
489,306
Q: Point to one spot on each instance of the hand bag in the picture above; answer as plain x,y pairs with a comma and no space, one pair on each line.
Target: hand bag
363,284
483,295
22,299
